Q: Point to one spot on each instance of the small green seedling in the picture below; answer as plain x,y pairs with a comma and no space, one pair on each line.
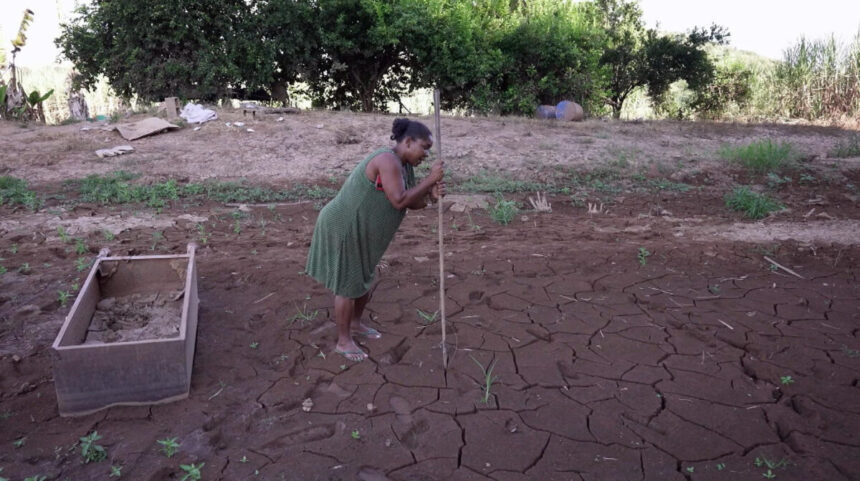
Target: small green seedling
769,474
303,315
3,270
157,237
201,231
63,297
237,227
254,345
82,263
115,472
24,268
786,380
13,248
643,255
192,472
489,379
504,211
169,446
355,434
427,318
714,289
850,352
80,247
108,235
690,469
74,286
90,451
64,236
721,466
244,459
19,443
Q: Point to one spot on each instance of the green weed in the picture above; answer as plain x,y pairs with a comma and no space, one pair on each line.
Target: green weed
355,434
108,235
115,472
61,232
850,352
169,446
63,297
80,247
504,211
775,181
192,472
24,268
157,237
90,451
13,249
426,318
3,270
760,156
254,345
489,379
201,232
303,315
82,263
19,443
642,255
786,380
15,192
753,205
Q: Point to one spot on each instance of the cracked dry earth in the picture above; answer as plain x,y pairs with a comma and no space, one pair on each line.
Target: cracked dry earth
606,369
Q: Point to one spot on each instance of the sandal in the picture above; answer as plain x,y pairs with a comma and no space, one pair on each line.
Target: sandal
367,332
355,356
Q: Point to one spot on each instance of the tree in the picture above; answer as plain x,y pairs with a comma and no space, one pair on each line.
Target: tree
639,57
157,48
362,61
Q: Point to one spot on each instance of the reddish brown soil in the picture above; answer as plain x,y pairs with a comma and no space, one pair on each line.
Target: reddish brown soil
607,369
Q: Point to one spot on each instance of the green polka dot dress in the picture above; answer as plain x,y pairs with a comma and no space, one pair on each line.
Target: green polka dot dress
353,231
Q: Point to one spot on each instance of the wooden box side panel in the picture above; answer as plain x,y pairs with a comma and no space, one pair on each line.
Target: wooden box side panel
120,278
74,329
189,316
92,377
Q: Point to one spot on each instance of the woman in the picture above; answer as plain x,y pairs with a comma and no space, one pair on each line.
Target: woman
354,229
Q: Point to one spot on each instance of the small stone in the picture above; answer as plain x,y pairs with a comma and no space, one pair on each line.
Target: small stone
307,405
371,407
16,358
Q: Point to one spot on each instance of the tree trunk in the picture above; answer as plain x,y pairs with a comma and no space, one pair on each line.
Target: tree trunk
78,107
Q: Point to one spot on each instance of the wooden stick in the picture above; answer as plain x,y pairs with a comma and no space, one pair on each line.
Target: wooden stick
786,269
438,142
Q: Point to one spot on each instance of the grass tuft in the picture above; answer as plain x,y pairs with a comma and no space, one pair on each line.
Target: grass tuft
14,191
760,156
753,205
504,211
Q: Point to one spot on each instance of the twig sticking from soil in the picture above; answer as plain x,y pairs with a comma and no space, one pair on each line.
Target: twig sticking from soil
264,298
786,269
726,324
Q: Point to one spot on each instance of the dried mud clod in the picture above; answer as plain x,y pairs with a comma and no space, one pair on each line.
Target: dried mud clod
136,317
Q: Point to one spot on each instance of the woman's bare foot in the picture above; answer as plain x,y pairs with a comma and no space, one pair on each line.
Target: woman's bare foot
351,351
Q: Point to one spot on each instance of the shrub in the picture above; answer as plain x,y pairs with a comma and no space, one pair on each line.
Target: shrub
504,211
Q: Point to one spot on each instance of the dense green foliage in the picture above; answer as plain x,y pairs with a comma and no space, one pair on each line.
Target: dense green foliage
486,55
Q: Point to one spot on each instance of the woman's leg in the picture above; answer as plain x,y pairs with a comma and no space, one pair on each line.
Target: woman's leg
344,312
359,327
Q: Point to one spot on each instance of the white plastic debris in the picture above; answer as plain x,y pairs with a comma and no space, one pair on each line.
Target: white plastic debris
118,150
228,124
197,114
279,119
196,129
239,124
250,130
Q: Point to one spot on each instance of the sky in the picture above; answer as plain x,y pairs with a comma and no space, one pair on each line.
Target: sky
765,27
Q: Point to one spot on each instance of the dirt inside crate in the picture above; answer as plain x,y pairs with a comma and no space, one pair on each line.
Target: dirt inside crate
136,317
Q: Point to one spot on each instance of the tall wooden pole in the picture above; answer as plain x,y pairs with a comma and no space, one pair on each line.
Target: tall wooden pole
438,142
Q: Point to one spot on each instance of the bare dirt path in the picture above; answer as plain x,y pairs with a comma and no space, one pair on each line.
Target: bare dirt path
650,342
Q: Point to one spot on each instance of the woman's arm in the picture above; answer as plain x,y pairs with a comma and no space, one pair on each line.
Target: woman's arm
392,184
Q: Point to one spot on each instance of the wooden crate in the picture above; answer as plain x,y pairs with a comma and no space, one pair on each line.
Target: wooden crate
90,377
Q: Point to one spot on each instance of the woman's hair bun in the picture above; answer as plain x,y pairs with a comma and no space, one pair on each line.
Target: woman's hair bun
399,128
